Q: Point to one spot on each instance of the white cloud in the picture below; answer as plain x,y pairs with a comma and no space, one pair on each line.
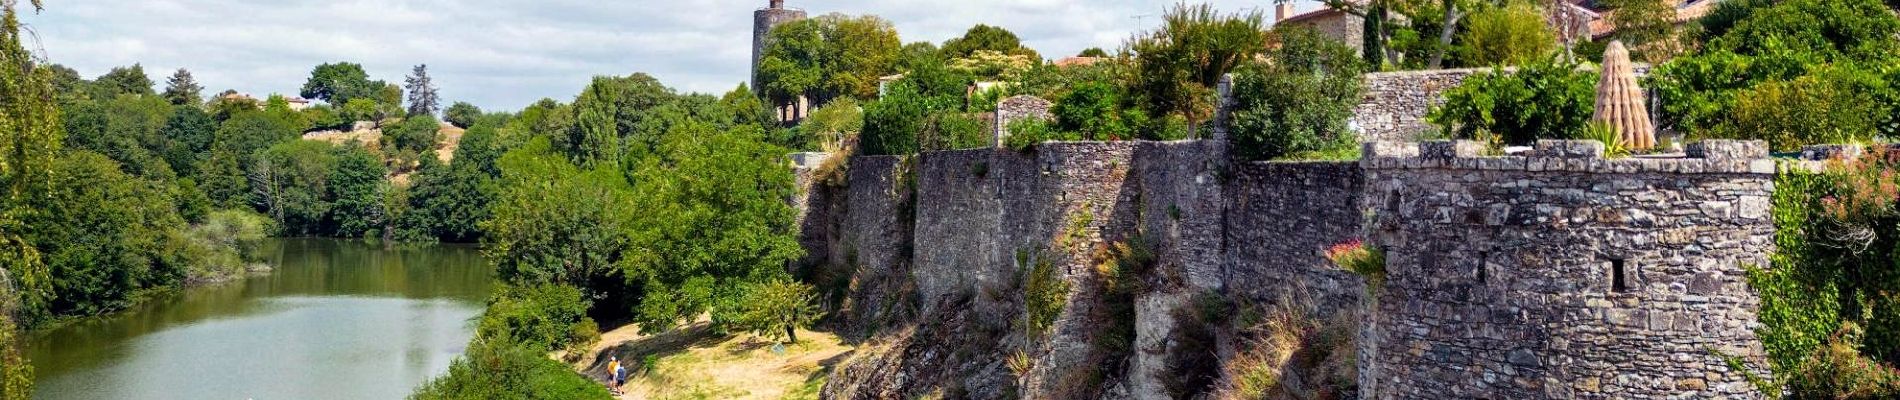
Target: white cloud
506,54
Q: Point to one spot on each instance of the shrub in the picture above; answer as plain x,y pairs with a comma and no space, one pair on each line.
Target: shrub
500,370
541,318
1044,292
1298,103
952,131
1094,111
1545,100
1292,355
1354,255
1025,134
416,133
1512,35
1813,109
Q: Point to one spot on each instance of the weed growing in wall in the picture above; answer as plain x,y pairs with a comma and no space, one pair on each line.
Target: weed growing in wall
1354,255
1044,292
1289,354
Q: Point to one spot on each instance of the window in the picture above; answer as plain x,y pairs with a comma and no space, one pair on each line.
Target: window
1619,277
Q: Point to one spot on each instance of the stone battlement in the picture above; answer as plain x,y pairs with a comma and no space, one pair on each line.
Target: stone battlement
1554,274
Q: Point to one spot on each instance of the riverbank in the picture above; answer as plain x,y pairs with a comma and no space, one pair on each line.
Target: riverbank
695,362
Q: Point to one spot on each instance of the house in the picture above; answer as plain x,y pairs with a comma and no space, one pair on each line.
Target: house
298,103
1338,24
1601,27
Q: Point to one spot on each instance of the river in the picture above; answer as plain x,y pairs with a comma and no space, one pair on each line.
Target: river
335,320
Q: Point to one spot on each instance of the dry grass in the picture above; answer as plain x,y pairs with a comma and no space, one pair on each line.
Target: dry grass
695,363
1290,355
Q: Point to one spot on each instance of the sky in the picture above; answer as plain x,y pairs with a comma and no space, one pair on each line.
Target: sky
506,54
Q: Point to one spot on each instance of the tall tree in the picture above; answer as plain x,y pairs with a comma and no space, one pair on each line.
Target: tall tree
422,96
338,83
1505,36
828,57
1178,66
1648,27
356,191
182,89
124,80
188,134
32,135
985,37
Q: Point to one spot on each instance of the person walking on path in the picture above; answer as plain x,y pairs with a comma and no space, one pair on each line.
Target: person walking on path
613,374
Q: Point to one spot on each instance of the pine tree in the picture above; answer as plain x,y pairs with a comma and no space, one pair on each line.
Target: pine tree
422,98
182,89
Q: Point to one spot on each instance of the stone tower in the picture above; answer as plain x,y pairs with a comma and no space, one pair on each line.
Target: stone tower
1565,275
763,20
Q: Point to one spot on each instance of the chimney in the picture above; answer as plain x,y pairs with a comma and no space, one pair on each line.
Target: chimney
778,4
1282,12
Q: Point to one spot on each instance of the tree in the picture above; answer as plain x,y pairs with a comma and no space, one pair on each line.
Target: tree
554,222
1543,100
361,110
451,201
422,96
389,102
712,217
1297,103
356,187
985,37
462,114
32,135
778,308
338,83
182,89
828,57
416,134
1505,36
189,133
100,231
1178,66
1647,26
1093,52
124,80
290,182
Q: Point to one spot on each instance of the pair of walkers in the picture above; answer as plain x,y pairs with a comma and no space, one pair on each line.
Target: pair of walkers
616,374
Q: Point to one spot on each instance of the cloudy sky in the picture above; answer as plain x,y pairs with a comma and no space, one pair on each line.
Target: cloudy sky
505,54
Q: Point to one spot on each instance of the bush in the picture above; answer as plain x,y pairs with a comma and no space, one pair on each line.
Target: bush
1367,261
1025,134
1815,109
417,134
953,131
540,318
1044,292
778,308
891,124
493,369
1501,36
1546,100
1299,102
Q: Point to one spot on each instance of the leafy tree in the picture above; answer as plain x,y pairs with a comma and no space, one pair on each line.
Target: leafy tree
916,53
125,128
833,125
713,216
361,110
189,133
1648,27
778,308
748,109
1095,110
124,80
32,135
100,231
828,57
290,182
891,124
356,189
984,37
450,201
422,92
417,134
229,103
554,222
1093,52
542,317
182,89
250,132
338,83
325,117
462,114
1512,35
389,102
1178,66
1297,104
1545,100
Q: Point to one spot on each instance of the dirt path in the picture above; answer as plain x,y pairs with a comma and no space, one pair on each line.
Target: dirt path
693,362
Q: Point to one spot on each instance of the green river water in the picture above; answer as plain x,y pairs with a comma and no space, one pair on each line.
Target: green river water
335,320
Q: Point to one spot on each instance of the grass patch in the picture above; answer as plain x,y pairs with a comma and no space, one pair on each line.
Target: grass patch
698,364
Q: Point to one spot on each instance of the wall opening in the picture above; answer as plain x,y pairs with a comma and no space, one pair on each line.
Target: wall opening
1484,267
1619,277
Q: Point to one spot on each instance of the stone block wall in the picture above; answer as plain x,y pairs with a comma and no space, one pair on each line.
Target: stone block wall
1565,277
875,240
1282,216
1394,104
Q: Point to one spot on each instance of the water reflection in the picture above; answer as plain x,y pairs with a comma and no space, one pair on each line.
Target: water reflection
335,320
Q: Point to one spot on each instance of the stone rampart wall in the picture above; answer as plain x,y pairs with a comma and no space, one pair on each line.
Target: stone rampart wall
1394,105
1281,219
1566,275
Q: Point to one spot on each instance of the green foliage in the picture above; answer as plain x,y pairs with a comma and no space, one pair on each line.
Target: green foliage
290,182
423,99
952,131
1025,134
891,124
827,57
451,200
1356,256
1177,66
713,216
554,222
1298,103
1810,53
1824,107
123,81
324,117
339,83
1603,133
1512,35
32,137
1044,291
1093,52
831,126
356,194
1096,110
499,370
189,133
542,318
462,114
181,89
417,134
778,308
1647,27
986,38
102,234
1545,100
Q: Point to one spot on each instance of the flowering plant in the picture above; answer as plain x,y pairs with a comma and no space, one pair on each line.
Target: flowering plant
1354,255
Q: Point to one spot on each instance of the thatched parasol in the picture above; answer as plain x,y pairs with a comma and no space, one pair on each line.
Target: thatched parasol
1620,100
